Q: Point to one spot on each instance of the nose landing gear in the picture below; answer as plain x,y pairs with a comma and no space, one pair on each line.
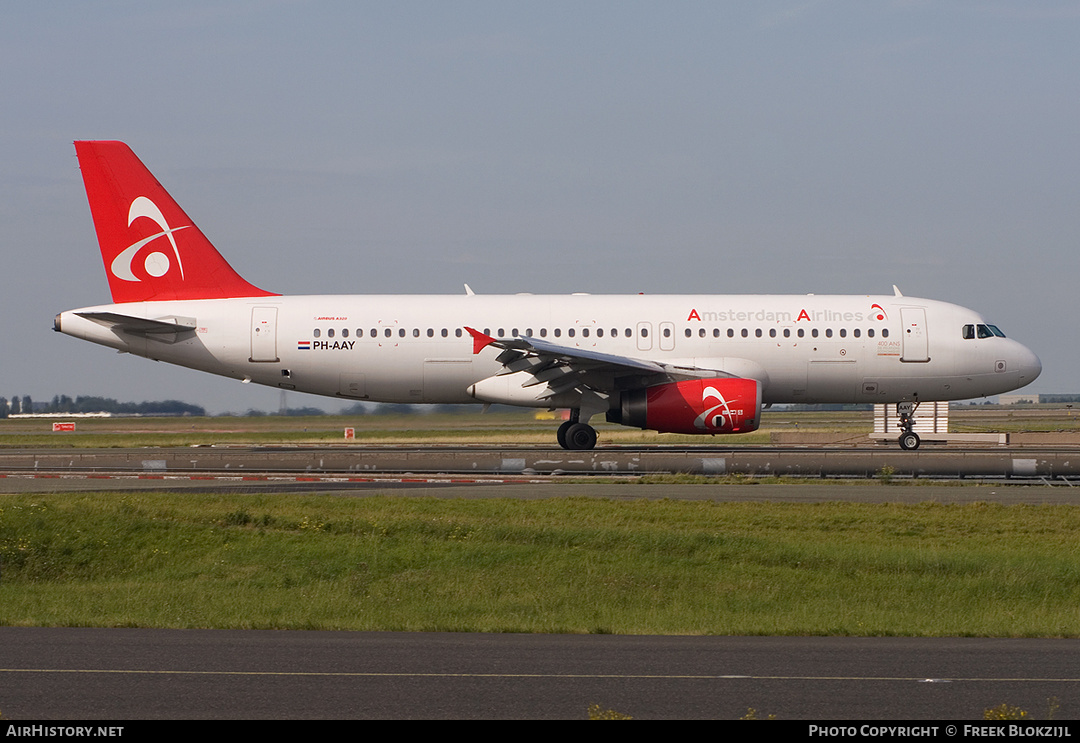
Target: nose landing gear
905,411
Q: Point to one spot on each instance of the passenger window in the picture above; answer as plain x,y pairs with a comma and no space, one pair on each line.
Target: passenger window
757,332
457,332
557,332
870,333
772,332
828,332
801,332
787,332
570,332
388,332
316,333
731,332
330,333
884,332
584,332
745,333
599,332
813,333
856,332
444,333
543,332
344,332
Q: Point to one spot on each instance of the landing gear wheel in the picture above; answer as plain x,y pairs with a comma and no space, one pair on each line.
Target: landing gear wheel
580,436
905,411
909,440
561,435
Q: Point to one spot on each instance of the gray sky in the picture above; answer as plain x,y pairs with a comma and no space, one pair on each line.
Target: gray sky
610,147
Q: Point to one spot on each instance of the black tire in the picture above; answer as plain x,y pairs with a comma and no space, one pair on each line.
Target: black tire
909,440
561,435
580,437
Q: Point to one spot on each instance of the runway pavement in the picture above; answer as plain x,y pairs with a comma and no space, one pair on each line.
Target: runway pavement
814,491
473,461
116,674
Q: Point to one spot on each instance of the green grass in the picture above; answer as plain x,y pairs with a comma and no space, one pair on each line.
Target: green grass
557,565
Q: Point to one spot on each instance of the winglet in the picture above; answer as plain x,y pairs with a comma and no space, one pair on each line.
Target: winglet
479,340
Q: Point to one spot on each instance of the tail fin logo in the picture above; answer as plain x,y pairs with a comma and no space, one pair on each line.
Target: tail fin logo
155,264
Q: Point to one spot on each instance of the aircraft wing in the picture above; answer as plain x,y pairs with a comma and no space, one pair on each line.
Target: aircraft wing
564,368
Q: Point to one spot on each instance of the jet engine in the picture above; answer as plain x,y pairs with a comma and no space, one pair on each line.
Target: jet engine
698,406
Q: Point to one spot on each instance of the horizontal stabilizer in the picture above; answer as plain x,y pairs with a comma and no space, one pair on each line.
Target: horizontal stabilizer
140,325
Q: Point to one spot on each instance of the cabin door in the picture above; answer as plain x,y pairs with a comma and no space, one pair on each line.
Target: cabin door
264,334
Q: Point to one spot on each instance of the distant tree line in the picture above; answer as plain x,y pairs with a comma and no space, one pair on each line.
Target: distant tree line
61,404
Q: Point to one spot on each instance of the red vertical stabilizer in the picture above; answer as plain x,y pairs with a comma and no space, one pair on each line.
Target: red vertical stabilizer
151,248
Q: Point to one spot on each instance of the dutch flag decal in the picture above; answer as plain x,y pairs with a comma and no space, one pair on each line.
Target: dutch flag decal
303,345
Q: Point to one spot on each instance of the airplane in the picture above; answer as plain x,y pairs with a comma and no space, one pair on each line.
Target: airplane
694,364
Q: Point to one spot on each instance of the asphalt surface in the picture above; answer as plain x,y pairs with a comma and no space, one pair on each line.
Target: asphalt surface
812,491
1052,463
131,674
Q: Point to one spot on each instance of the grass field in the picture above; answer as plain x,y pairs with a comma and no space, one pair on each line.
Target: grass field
558,565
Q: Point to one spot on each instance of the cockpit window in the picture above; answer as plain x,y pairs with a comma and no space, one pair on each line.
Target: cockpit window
981,331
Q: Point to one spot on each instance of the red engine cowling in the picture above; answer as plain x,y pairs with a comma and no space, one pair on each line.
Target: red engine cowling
722,405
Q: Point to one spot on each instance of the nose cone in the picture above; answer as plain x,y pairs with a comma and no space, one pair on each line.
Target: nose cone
1029,365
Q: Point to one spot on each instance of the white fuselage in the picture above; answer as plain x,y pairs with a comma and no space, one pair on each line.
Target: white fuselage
414,349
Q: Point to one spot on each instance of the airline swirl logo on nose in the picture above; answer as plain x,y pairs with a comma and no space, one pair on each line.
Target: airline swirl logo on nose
156,264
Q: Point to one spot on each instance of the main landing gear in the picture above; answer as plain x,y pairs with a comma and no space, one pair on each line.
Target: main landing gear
575,435
909,440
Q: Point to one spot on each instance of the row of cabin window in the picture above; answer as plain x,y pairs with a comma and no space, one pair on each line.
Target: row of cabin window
629,333
799,332
387,332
